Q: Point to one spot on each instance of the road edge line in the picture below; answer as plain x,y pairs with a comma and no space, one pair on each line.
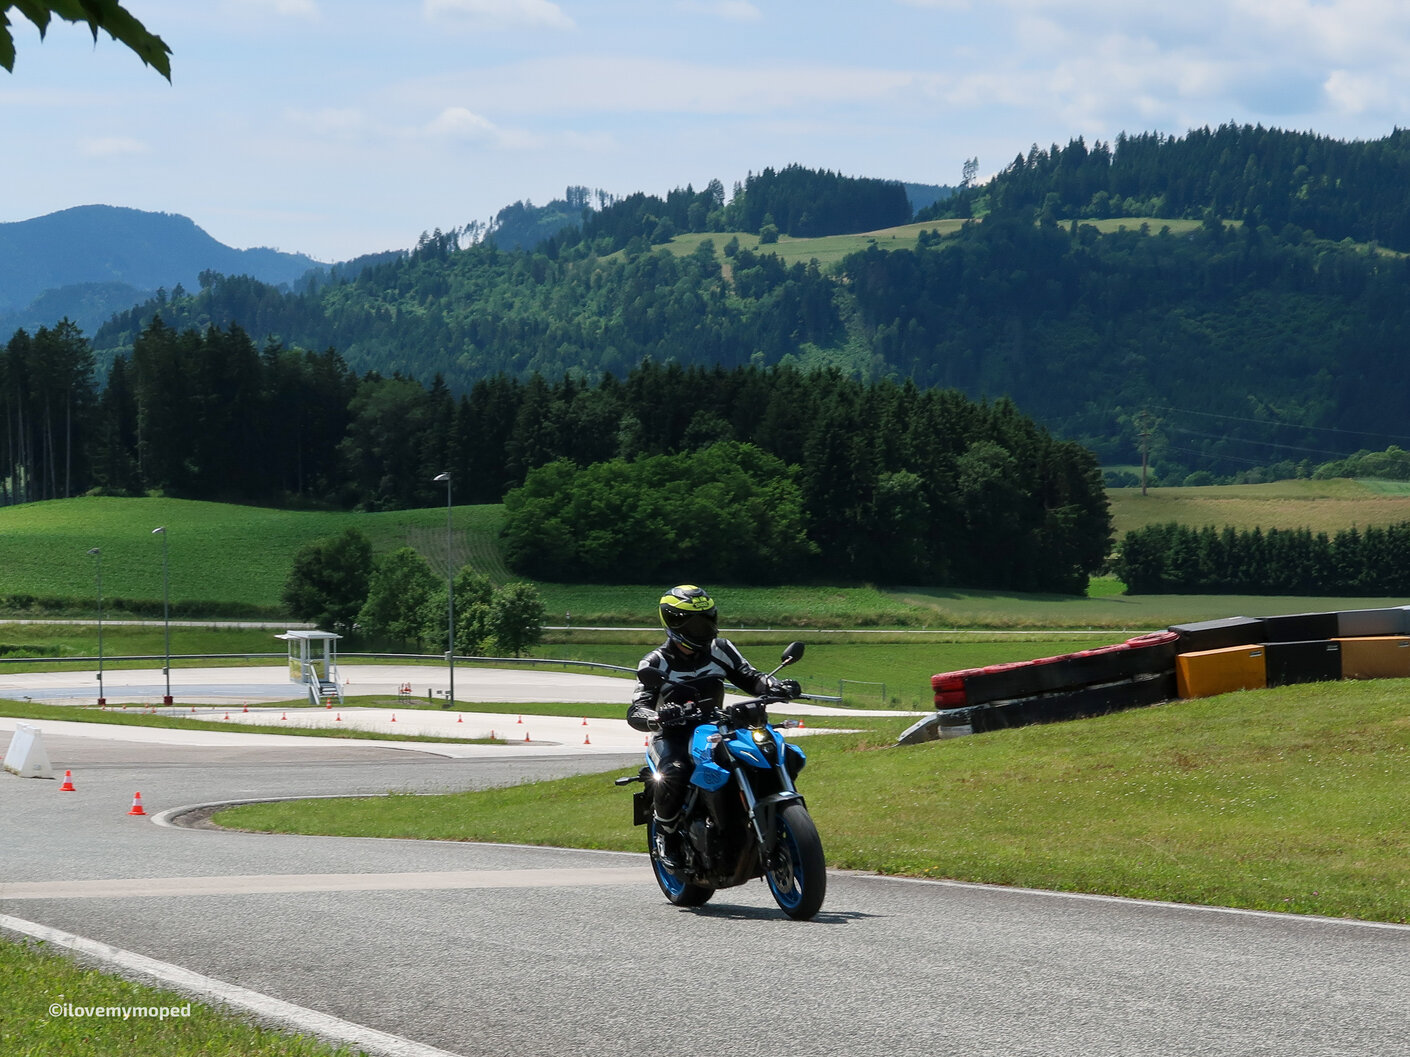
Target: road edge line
266,1008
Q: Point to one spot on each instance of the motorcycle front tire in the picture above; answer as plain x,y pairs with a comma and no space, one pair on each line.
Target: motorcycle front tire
799,878
679,891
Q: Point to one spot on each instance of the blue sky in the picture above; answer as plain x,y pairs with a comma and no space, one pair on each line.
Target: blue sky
340,127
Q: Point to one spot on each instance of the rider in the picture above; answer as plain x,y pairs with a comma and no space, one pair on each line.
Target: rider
680,684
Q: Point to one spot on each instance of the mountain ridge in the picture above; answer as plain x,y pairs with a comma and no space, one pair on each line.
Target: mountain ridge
87,246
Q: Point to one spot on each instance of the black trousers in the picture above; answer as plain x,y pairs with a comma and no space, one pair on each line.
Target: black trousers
673,766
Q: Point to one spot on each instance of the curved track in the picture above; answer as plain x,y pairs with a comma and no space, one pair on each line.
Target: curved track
482,949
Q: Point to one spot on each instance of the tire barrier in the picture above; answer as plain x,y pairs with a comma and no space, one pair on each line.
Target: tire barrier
1376,657
1185,661
1218,634
1204,673
1369,623
1303,662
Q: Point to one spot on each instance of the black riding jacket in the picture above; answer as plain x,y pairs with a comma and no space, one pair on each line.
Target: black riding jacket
703,672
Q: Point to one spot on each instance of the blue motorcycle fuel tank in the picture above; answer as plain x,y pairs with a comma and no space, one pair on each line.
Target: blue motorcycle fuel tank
709,775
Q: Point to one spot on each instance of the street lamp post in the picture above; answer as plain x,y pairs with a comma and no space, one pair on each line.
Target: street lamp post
450,596
166,613
98,563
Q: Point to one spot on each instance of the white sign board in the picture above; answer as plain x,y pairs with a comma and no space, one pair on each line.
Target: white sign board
26,756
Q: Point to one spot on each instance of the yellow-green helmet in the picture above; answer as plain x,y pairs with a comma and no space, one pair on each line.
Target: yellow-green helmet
689,616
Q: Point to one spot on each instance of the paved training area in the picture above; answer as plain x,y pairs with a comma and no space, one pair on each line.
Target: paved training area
428,948
248,685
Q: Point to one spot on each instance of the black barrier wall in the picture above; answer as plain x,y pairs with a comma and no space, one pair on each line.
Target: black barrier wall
1292,648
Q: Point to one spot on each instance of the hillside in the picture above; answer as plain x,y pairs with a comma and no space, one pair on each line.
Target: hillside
99,244
1207,296
1252,346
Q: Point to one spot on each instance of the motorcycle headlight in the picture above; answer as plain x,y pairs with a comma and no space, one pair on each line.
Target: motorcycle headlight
761,735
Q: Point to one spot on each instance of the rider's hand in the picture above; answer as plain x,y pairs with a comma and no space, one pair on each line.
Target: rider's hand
674,714
790,687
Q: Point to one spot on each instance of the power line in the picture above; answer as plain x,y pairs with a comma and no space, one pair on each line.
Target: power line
1284,425
1266,443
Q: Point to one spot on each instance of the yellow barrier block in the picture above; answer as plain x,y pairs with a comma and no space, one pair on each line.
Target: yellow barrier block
1375,657
1205,673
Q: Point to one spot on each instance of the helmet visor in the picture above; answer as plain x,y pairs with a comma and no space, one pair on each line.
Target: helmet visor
697,630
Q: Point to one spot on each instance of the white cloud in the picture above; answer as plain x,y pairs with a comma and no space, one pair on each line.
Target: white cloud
456,122
500,13
627,84
1362,93
112,147
307,9
328,121
730,10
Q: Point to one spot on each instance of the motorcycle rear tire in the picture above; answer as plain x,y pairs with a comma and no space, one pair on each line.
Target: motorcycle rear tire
678,891
800,881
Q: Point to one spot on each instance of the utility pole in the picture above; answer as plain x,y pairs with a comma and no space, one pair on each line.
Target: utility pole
1143,423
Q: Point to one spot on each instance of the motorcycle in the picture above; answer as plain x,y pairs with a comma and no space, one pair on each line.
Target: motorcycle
743,816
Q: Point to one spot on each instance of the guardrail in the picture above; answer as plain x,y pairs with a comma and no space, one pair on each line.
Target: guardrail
427,659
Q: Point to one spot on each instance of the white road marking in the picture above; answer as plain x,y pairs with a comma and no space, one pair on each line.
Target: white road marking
264,884
266,1008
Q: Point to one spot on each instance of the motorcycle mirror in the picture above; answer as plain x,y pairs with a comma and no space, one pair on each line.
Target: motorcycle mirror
792,652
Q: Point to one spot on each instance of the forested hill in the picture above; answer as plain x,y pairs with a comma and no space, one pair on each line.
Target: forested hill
1263,176
1084,323
110,244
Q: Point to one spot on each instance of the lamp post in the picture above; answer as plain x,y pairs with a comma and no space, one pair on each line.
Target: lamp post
166,613
450,595
98,563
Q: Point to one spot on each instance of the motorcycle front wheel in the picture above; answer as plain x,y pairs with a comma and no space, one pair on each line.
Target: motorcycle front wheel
679,891
797,872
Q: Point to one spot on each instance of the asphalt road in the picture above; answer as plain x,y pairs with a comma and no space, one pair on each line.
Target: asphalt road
481,949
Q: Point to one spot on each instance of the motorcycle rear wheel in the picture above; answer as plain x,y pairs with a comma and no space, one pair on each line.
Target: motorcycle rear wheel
798,878
677,890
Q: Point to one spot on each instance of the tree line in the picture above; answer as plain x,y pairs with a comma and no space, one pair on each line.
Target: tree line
395,598
1180,559
1263,176
896,483
1079,327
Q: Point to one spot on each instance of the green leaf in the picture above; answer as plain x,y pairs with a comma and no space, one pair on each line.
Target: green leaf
107,15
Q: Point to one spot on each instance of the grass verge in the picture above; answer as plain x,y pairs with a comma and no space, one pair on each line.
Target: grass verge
1287,800
38,977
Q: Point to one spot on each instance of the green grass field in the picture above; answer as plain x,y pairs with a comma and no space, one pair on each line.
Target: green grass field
1322,506
37,976
829,249
1289,800
217,552
243,554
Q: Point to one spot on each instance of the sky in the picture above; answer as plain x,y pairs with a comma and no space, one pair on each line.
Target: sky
341,127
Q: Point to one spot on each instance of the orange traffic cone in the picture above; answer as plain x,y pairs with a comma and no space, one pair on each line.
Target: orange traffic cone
338,718
246,708
587,740
136,805
394,717
526,735
284,716
67,787
585,721
460,717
